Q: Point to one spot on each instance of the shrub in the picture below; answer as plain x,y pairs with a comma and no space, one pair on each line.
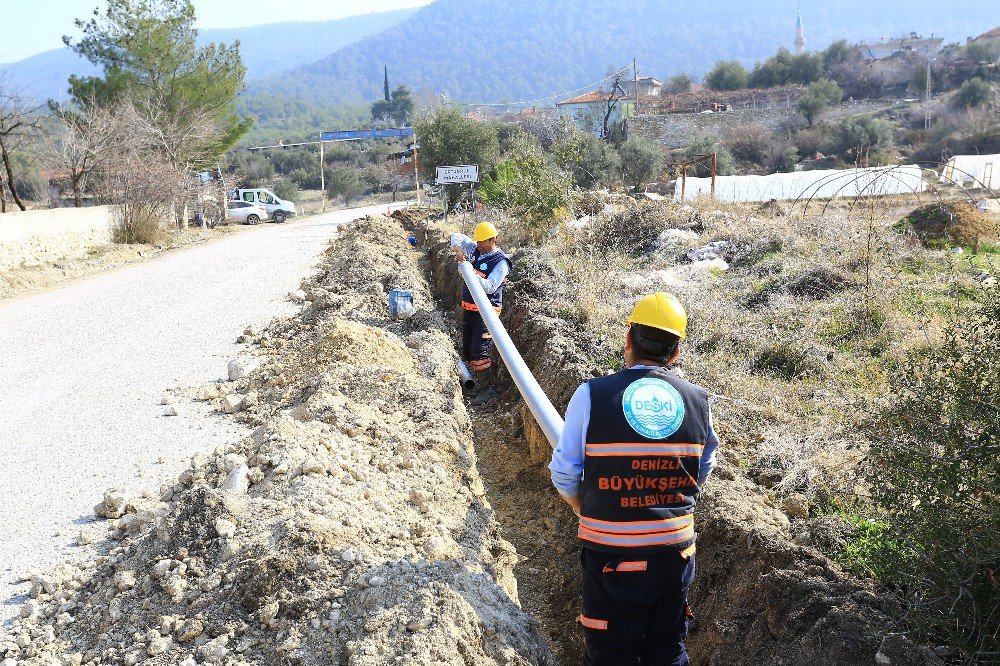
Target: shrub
787,160
640,162
861,137
705,145
727,75
935,479
783,68
633,229
973,93
786,359
589,160
345,182
305,178
138,225
769,150
818,97
528,185
679,84
285,189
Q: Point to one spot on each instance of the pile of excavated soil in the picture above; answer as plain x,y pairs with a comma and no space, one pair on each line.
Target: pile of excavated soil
758,598
958,222
350,528
412,215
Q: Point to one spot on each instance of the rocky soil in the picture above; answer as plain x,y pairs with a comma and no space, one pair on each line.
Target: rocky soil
352,527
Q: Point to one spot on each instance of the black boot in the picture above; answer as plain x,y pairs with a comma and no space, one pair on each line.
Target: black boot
484,388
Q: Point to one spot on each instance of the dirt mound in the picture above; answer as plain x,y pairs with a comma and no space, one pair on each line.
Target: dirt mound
350,528
412,215
772,208
636,227
958,222
814,283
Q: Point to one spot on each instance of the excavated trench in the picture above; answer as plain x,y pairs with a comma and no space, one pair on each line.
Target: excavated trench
758,597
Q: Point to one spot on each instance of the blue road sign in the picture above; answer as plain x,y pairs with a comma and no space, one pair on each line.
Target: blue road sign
365,134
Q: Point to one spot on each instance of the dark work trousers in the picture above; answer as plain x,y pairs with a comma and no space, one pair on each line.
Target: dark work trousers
477,343
635,608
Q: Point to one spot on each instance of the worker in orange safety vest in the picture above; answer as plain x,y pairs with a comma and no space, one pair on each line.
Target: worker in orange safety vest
492,266
637,448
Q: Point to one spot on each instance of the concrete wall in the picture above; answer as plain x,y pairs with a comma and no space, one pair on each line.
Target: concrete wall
38,236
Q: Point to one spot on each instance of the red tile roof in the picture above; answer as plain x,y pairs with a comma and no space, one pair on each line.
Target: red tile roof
588,98
995,32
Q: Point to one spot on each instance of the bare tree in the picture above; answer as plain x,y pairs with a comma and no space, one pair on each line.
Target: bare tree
615,96
80,143
187,140
18,122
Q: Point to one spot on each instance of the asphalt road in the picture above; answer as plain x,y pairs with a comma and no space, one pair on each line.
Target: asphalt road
83,369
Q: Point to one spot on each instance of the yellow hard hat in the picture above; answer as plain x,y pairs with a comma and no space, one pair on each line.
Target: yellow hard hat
662,311
484,231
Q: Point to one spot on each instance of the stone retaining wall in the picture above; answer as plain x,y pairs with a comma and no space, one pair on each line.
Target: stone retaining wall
34,237
677,130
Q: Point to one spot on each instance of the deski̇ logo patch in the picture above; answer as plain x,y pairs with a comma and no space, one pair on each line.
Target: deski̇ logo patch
483,266
653,408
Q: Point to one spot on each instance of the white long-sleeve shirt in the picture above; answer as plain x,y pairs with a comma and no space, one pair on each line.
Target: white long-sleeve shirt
566,467
495,279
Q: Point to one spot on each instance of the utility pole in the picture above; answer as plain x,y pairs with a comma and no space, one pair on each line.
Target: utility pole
322,174
927,97
635,82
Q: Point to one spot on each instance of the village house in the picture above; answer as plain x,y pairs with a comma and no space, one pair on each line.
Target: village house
587,111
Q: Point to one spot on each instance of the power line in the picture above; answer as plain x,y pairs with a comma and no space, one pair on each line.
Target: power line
542,99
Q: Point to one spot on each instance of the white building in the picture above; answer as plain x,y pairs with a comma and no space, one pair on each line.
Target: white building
900,47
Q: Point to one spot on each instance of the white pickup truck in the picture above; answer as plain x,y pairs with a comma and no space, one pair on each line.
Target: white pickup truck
278,210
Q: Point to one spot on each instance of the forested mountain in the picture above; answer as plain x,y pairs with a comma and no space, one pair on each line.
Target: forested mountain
266,50
487,51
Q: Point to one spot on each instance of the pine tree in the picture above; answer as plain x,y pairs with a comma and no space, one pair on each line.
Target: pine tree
386,83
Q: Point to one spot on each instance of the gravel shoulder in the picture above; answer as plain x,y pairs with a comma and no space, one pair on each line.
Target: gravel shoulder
83,370
30,280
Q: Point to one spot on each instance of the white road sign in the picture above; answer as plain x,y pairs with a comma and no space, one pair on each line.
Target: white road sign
466,173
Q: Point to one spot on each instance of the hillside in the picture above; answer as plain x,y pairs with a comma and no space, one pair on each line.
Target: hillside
266,49
481,51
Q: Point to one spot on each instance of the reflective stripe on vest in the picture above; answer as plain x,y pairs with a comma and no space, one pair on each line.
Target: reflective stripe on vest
638,533
641,464
472,307
644,449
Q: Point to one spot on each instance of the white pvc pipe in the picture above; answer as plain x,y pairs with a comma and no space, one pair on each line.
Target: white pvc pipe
539,404
463,371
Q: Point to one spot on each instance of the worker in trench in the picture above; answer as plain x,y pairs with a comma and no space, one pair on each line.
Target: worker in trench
492,267
637,447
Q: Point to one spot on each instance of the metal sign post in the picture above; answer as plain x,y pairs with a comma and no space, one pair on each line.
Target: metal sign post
322,175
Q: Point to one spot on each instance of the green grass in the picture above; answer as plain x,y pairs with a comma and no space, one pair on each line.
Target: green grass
872,550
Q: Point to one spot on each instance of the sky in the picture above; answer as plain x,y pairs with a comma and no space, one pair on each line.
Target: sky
42,23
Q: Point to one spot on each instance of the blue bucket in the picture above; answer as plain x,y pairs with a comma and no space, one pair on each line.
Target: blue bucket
400,303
